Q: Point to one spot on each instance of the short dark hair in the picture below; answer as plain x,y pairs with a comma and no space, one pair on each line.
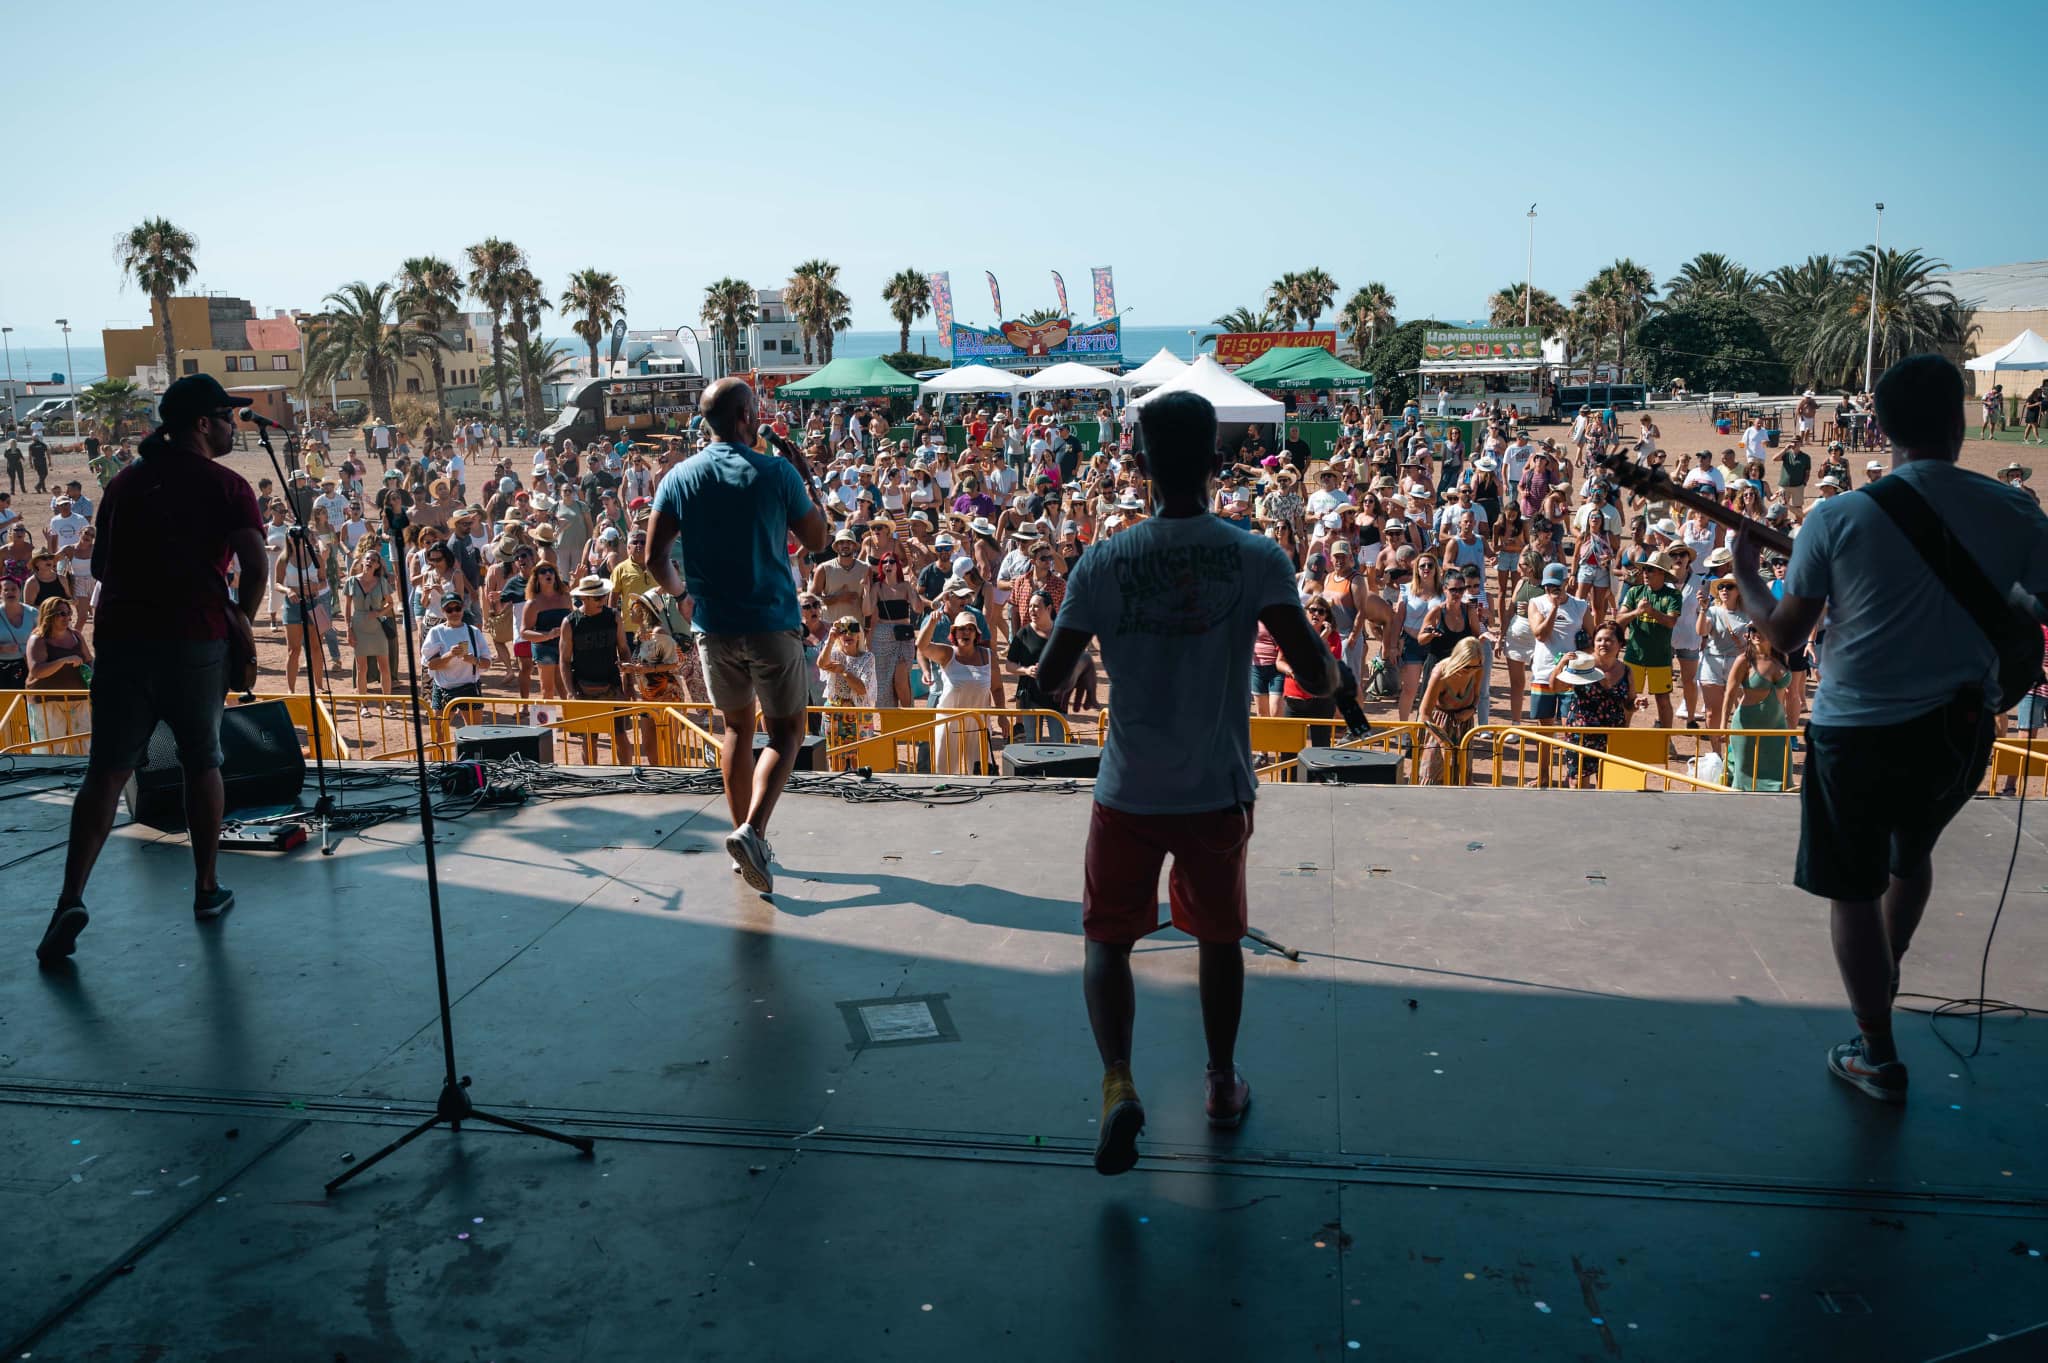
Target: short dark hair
1179,432
1920,406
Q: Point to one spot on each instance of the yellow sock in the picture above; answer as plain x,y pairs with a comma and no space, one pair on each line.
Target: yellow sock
1117,1086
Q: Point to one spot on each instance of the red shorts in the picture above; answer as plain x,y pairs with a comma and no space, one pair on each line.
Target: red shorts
1120,896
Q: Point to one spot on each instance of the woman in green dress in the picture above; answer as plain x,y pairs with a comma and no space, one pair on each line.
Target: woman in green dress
1756,682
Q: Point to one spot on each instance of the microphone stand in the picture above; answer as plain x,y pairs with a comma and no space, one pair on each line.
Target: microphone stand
323,807
454,1106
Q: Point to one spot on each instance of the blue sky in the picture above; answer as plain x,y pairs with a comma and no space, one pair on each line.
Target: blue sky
1199,148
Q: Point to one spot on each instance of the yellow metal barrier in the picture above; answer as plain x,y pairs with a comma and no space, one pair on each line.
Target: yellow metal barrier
2014,759
1633,756
946,742
1280,734
59,723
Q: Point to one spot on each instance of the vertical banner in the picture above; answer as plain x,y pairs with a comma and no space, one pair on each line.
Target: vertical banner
942,306
1105,292
995,293
1059,286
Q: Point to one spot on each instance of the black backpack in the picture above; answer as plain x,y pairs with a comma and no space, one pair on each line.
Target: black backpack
2012,629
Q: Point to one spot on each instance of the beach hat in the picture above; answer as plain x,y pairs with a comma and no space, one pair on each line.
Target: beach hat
1026,531
544,534
1829,480
1578,669
942,540
1384,483
966,620
1486,464
922,519
1722,557
505,548
2022,470
1873,464
1661,561
1556,575
1129,502
592,586
845,534
980,526
1667,528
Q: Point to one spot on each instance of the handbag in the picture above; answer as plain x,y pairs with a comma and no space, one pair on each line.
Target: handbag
904,633
2011,630
390,628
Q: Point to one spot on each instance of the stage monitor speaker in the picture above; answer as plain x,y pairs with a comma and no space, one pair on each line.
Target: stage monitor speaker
261,764
489,742
1051,759
1351,766
810,757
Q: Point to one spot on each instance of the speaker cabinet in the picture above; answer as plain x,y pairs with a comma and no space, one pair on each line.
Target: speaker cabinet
1051,759
261,765
1350,766
809,757
485,742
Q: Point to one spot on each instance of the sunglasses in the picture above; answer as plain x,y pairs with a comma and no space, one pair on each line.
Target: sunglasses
456,608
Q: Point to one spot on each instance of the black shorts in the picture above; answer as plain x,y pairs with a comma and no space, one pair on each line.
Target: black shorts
1874,800
136,682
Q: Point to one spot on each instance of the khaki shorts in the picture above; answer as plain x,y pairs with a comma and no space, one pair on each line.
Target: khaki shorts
742,668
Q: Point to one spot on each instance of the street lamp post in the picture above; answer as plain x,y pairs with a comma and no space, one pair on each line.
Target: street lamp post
77,425
8,345
1870,342
1529,280
1191,345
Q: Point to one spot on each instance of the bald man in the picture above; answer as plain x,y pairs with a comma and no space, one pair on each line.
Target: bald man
733,509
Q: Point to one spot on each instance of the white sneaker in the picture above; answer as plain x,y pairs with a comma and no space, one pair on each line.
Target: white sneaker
746,848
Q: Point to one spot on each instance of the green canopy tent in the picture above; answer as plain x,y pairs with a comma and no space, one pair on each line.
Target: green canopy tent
867,377
1292,367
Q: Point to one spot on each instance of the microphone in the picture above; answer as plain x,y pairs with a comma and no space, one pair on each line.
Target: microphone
252,417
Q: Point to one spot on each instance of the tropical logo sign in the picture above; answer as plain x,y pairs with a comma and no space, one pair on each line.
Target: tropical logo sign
1032,345
1483,343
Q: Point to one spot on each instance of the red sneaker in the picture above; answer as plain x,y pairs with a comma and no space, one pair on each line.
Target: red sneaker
1228,1095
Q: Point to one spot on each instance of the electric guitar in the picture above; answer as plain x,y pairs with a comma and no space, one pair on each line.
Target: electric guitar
1656,485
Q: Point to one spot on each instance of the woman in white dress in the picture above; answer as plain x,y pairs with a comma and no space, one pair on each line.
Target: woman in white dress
966,681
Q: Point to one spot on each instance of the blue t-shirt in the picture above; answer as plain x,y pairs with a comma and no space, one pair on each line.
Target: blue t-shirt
734,509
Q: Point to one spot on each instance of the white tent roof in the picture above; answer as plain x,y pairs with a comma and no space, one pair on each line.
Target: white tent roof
1232,397
972,378
1155,371
2024,351
1068,374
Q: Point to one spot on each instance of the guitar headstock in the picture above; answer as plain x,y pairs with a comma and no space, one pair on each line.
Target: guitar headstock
1626,473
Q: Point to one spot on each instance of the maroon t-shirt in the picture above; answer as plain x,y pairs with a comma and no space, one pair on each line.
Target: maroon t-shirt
162,556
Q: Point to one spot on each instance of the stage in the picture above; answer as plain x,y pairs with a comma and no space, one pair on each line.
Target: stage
1547,1083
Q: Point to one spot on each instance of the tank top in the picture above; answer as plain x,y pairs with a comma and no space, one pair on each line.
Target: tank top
14,638
1448,638
71,676
597,648
1414,608
1343,610
889,609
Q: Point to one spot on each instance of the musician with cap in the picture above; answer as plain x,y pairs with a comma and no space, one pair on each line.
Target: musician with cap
1900,733
165,633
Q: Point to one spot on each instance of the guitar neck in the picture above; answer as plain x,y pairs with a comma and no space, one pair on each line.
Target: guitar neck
1658,485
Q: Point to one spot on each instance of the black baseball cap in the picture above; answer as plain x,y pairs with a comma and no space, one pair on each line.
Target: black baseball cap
195,395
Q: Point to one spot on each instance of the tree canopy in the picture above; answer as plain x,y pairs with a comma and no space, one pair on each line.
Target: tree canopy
1714,342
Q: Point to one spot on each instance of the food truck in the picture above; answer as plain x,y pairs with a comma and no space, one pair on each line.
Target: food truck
1478,365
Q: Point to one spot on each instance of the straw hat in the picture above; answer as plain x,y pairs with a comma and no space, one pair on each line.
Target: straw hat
844,534
980,526
592,586
1722,557
1661,561
966,620
2022,470
1578,669
544,535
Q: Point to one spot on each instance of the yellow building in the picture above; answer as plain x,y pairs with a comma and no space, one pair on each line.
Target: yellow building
2009,299
225,338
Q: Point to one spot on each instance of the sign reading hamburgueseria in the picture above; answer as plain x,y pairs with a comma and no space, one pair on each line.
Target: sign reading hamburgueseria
1482,343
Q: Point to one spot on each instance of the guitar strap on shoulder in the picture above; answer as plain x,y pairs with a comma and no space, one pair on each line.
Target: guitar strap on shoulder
1943,554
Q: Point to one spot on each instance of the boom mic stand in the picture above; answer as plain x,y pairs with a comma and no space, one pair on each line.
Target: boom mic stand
454,1106
300,542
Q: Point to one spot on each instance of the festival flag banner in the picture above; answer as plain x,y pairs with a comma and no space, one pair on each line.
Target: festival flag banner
1105,292
942,306
1234,348
995,291
1059,286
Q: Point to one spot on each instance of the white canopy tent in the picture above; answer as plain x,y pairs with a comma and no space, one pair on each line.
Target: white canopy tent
1069,374
2024,351
1232,397
1161,368
971,378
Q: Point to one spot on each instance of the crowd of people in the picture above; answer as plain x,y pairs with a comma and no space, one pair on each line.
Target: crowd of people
1456,585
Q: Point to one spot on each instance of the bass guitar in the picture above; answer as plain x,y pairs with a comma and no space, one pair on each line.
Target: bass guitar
1656,485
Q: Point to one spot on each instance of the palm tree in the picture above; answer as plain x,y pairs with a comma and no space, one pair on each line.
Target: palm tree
601,299
728,306
491,263
112,401
1241,319
157,254
1314,291
1621,294
1591,318
1793,301
429,300
909,296
838,317
360,332
1504,309
1369,308
547,361
1283,299
1916,312
808,296
525,301
1711,275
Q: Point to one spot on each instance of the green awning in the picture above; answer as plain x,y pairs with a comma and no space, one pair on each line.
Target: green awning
867,377
1302,367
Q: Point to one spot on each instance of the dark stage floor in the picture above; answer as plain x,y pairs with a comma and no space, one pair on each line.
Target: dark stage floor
1547,1084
